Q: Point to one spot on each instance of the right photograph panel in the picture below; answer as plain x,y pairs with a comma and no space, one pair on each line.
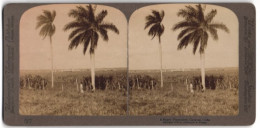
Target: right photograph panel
183,61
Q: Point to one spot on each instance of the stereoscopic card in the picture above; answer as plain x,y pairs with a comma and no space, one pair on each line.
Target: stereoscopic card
129,64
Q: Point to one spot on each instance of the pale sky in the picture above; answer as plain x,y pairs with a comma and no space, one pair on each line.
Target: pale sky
35,52
144,52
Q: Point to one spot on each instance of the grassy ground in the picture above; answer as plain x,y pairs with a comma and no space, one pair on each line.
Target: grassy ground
179,102
56,102
172,100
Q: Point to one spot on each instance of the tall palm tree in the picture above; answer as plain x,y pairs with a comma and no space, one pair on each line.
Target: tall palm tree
87,28
45,22
195,30
154,21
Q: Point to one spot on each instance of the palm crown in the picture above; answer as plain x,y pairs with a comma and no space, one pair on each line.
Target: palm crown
195,27
87,27
155,22
45,21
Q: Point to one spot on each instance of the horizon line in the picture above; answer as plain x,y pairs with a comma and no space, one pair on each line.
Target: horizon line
177,69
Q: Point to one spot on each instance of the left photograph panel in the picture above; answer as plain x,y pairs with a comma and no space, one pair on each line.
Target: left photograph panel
73,60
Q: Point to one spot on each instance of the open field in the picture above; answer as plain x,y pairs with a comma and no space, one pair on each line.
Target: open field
178,101
173,99
69,101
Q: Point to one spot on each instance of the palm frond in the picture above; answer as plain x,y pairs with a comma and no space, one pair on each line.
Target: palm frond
39,24
82,12
109,26
184,13
156,14
91,15
44,31
75,32
151,18
48,15
192,10
153,30
189,38
101,16
103,34
184,41
53,14
213,32
73,13
200,14
183,24
219,26
194,35
209,17
76,41
41,20
76,24
185,31
162,15
188,13
149,23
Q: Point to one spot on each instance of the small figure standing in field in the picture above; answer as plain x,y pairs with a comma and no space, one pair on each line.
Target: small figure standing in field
187,85
191,88
77,84
81,88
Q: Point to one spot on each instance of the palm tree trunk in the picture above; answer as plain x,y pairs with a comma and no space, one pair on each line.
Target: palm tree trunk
160,50
92,59
52,84
202,58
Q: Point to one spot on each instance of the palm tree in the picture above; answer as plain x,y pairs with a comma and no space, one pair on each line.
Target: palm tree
45,22
87,28
195,30
154,21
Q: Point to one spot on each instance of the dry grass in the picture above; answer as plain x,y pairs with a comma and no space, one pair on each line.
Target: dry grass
56,102
172,101
179,102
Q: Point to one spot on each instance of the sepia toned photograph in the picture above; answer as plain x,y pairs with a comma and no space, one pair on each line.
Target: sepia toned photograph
166,59
73,60
129,64
183,61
